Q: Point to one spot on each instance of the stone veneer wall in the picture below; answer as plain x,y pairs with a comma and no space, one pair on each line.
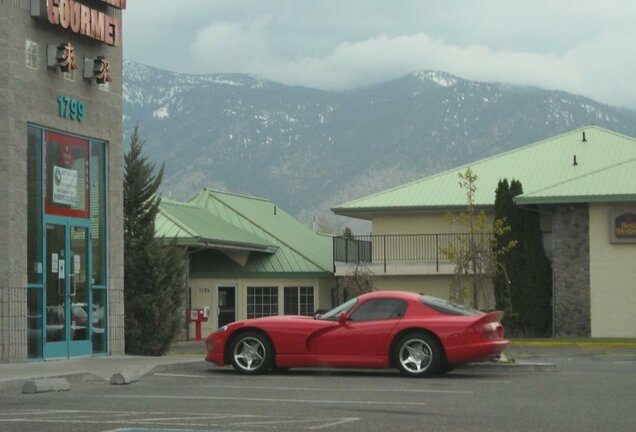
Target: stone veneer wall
572,271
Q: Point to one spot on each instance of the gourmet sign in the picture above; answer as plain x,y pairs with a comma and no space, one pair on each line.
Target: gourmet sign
82,19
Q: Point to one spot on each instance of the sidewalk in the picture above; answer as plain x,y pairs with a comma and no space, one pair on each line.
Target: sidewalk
62,373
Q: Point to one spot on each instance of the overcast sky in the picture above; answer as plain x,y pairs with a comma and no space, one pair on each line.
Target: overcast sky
586,47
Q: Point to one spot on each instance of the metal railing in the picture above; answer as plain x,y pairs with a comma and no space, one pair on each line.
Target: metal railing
404,248
393,248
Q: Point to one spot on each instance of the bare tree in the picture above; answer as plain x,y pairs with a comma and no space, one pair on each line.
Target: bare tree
359,280
476,253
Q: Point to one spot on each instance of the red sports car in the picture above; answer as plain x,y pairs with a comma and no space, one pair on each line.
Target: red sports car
418,334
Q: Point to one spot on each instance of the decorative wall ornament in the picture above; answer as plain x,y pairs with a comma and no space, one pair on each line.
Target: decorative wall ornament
97,68
67,62
61,56
103,72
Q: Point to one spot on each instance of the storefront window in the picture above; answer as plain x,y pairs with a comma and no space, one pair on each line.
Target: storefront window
34,205
98,319
67,175
34,323
66,245
262,301
299,300
97,209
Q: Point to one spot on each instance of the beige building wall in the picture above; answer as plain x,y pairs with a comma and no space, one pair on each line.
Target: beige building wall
205,293
437,286
417,223
434,285
612,278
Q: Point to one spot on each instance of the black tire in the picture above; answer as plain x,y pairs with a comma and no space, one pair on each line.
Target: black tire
418,355
251,353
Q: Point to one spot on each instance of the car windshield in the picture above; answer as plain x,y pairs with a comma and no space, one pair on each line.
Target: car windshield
446,307
333,314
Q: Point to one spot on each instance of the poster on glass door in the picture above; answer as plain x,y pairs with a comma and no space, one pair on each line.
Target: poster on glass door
64,186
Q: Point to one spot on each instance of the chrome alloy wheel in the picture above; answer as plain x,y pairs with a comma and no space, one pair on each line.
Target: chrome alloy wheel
249,353
415,355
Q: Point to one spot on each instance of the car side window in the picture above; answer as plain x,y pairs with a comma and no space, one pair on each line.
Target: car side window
379,309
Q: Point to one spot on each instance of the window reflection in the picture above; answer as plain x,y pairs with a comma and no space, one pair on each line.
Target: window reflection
34,323
99,321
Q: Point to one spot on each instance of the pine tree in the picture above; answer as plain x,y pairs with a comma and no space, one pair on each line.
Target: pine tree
537,318
153,270
527,299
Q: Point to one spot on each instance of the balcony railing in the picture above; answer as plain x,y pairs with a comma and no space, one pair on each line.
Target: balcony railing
393,248
402,248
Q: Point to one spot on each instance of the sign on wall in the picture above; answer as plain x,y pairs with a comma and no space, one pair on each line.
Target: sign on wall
623,226
82,19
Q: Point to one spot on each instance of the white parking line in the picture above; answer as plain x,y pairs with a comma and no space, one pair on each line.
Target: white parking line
189,420
335,423
182,375
357,390
244,399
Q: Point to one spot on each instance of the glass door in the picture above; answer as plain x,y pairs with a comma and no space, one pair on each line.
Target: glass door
67,290
226,301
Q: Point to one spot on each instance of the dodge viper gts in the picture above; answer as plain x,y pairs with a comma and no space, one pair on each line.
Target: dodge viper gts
417,334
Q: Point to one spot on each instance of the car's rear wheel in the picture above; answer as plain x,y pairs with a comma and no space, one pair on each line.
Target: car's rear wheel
418,355
252,353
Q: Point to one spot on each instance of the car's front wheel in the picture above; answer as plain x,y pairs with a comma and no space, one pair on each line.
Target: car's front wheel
252,353
418,355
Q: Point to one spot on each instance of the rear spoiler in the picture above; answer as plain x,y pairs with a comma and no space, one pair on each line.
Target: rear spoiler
494,316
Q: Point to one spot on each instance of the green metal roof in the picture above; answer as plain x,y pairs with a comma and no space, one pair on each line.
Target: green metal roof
616,183
195,225
540,167
248,222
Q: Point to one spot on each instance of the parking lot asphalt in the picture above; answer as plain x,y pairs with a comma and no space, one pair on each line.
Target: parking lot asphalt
126,369
588,391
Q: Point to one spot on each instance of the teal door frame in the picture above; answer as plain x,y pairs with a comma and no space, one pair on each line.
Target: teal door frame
68,347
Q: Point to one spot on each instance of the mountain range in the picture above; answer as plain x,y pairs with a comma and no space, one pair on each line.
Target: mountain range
308,150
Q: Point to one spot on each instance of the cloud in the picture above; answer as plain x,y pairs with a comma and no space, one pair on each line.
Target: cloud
584,46
231,47
589,68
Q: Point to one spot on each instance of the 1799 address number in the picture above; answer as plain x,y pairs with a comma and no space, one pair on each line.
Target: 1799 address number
71,108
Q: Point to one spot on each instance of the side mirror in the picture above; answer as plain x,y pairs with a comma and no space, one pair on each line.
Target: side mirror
342,319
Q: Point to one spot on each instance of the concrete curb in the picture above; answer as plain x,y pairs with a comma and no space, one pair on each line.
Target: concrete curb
121,378
17,385
45,385
118,378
